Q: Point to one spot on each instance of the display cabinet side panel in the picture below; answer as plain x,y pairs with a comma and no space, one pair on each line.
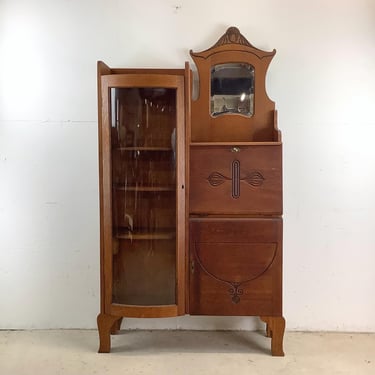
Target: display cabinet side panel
106,198
182,108
102,69
187,133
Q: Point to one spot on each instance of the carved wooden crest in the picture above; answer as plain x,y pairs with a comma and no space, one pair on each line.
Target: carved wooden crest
232,35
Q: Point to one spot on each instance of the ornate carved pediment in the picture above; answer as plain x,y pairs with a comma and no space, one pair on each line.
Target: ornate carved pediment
232,35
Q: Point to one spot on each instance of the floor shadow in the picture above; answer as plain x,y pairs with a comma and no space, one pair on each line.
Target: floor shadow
141,342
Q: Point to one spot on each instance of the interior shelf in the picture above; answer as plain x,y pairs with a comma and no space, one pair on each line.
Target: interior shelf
160,235
144,148
146,188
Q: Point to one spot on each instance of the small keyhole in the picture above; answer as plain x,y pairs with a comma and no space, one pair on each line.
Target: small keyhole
192,266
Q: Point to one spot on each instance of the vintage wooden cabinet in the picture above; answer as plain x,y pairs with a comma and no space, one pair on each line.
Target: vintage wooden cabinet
191,191
142,195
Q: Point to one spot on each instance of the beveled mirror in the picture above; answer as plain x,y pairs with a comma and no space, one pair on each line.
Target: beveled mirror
232,89
233,105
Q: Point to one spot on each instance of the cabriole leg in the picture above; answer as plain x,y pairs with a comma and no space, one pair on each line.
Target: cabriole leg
116,327
105,325
268,331
275,329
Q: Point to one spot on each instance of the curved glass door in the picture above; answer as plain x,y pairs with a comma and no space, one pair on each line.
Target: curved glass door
143,163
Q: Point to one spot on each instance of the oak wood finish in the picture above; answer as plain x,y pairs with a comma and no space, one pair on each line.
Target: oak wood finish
123,291
101,70
224,244
116,327
106,324
235,266
259,179
232,47
275,330
235,197
134,311
188,95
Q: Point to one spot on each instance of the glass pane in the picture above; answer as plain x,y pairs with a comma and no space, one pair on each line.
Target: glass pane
143,138
232,89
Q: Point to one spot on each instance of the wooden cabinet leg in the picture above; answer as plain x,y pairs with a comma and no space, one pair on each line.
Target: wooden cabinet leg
105,324
275,329
116,327
268,331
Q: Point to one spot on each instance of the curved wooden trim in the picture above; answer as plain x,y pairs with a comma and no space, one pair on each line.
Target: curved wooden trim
106,324
232,39
233,284
233,48
142,80
115,329
137,311
275,329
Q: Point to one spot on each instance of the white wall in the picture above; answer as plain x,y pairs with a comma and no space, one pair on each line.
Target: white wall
322,79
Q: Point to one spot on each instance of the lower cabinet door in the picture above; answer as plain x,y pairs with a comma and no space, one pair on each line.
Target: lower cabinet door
236,266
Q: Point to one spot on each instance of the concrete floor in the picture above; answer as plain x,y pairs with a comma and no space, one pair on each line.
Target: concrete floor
184,352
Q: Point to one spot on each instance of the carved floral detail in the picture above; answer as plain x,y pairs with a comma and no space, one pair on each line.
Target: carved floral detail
232,35
254,179
216,178
236,292
236,287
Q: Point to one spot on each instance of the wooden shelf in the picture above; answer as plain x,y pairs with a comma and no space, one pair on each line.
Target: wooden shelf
143,148
145,188
211,144
126,235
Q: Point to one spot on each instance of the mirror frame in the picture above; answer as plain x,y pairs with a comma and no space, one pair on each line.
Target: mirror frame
232,47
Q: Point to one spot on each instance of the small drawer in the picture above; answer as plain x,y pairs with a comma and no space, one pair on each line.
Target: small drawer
236,179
